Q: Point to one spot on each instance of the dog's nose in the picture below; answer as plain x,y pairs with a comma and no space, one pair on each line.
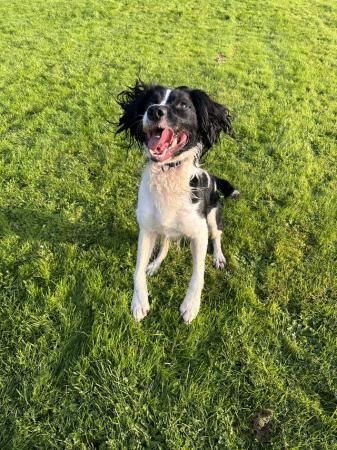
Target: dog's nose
155,112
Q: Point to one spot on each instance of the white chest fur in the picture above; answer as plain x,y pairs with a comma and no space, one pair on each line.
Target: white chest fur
164,201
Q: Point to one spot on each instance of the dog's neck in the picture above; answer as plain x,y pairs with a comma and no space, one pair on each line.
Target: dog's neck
172,180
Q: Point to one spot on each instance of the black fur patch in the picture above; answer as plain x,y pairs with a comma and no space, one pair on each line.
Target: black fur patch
205,192
134,101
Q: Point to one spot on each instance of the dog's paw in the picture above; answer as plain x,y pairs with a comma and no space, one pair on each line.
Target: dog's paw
219,261
139,311
139,308
189,310
152,268
235,194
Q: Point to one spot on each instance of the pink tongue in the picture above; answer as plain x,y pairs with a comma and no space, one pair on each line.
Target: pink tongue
159,144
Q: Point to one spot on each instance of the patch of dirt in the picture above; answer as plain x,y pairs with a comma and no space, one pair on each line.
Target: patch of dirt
220,58
261,424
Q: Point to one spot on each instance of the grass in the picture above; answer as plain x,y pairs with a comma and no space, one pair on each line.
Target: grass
76,371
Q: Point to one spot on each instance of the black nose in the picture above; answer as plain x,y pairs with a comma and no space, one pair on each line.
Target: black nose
155,112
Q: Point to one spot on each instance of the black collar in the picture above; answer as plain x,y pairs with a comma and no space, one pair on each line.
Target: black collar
171,165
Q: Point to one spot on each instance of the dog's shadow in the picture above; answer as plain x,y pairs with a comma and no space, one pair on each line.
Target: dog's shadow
55,228
74,317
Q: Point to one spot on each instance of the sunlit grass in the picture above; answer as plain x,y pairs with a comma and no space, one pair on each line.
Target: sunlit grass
76,371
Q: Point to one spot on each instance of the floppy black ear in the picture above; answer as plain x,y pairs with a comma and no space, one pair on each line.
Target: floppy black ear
131,101
213,118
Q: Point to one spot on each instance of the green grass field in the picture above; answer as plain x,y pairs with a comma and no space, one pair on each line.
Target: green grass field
76,372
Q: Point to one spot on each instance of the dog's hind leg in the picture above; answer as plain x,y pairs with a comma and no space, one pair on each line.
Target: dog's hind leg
155,264
215,231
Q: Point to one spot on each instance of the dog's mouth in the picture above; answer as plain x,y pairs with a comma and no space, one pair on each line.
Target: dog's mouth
164,142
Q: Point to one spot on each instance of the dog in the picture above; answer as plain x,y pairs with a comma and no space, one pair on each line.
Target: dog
175,127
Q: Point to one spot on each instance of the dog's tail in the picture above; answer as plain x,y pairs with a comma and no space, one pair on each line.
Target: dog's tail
226,188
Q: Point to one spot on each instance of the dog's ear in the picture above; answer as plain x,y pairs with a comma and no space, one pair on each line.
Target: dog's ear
213,118
131,101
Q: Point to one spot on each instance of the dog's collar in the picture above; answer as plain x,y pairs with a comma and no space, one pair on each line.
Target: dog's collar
171,165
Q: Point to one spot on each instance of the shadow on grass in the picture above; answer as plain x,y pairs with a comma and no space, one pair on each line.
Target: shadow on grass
76,339
38,224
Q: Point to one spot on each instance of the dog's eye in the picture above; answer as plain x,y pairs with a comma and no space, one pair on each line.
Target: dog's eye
182,105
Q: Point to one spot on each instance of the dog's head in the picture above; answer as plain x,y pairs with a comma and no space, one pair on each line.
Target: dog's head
168,122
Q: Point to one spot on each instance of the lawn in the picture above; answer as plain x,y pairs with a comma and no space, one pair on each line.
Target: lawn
76,372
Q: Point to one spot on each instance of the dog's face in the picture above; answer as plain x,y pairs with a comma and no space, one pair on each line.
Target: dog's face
169,122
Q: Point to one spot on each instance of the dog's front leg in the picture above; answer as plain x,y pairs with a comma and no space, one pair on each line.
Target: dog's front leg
140,303
191,304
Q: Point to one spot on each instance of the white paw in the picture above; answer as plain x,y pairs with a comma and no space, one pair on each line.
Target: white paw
219,261
189,310
152,268
139,308
235,194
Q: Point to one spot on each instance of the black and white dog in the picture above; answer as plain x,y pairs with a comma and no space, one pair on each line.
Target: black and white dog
176,197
